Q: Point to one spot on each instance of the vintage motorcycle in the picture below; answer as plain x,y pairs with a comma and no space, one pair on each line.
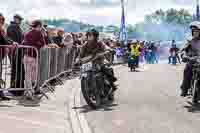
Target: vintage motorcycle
174,58
194,91
95,86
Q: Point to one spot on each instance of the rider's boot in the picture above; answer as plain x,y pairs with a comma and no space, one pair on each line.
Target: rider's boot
114,87
183,93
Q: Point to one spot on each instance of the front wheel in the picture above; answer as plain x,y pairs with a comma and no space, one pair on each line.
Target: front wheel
174,61
195,92
132,67
91,97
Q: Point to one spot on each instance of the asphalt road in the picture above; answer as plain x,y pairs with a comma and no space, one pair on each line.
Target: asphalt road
147,102
50,117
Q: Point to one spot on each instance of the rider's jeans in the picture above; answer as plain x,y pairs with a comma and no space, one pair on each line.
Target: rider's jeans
187,77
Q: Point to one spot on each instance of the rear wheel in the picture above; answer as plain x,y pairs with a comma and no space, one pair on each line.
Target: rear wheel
91,95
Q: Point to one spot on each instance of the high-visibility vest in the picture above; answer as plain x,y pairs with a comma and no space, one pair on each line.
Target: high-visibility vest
135,50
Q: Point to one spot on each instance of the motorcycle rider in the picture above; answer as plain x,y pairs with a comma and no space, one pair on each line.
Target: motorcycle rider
135,52
175,50
94,46
191,49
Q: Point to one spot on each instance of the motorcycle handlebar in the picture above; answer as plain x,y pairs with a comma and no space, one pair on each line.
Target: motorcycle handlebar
93,58
192,60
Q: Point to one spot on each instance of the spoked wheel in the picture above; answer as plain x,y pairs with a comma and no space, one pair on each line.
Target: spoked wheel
92,98
132,68
174,61
195,92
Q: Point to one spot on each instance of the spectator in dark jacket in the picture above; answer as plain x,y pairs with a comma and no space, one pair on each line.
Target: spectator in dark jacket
14,32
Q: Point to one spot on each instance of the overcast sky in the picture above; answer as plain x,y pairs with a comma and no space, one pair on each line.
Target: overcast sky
91,11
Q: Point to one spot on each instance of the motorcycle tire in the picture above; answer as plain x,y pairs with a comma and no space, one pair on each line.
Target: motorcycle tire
174,61
86,95
111,97
195,92
132,68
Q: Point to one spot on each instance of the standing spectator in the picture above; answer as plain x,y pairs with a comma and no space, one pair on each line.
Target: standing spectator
68,40
51,33
3,41
14,32
77,42
33,38
142,58
152,50
81,38
59,38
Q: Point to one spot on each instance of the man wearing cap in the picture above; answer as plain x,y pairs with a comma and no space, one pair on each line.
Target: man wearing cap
14,32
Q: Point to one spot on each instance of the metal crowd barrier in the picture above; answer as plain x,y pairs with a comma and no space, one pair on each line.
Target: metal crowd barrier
55,62
25,68
59,67
15,61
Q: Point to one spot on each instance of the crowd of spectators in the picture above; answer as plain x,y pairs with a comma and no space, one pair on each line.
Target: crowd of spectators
40,35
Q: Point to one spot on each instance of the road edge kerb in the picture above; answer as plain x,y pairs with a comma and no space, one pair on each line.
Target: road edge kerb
84,125
75,124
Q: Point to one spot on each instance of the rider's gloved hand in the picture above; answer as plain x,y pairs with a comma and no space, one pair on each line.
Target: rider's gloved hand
185,59
192,61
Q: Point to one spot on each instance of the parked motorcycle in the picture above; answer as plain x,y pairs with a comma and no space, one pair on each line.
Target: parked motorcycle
95,86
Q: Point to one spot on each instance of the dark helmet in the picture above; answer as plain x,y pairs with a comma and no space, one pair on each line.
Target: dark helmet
93,32
18,16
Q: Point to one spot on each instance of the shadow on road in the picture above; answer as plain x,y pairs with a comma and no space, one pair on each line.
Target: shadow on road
194,108
87,109
5,106
135,71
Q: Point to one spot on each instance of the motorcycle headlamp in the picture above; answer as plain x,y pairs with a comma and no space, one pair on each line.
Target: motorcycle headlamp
198,60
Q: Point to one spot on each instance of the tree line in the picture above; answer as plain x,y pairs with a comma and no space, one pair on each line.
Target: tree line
160,25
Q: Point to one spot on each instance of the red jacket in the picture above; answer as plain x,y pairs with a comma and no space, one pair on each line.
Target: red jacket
33,38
